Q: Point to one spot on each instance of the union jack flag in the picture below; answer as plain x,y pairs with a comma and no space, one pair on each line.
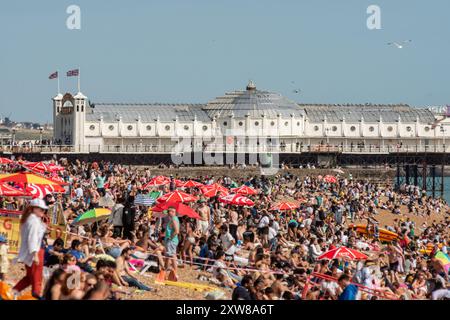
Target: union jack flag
73,73
53,75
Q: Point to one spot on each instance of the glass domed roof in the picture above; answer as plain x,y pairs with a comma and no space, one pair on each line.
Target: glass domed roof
254,103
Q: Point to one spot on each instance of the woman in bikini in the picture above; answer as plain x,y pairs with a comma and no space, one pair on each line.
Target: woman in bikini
189,243
111,246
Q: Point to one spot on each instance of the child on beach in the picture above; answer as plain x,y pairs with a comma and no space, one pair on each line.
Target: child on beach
4,262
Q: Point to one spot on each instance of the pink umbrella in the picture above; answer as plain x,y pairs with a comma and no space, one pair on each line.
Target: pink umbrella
237,199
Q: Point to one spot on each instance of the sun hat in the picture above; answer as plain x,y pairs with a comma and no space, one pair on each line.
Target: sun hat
39,203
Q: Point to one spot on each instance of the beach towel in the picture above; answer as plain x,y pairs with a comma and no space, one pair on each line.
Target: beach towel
444,259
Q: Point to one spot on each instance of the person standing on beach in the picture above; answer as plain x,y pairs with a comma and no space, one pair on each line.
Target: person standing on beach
205,214
171,241
31,252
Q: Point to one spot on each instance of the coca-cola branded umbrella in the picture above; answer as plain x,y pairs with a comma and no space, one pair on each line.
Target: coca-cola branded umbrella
237,199
343,253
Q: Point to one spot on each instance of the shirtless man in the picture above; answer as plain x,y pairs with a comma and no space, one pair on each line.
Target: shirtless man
205,215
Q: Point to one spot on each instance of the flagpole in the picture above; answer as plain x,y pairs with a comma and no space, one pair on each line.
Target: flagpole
58,82
79,72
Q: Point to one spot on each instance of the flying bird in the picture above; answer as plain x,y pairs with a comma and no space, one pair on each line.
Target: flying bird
297,91
399,45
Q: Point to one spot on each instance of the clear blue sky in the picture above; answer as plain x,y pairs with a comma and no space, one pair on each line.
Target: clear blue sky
195,50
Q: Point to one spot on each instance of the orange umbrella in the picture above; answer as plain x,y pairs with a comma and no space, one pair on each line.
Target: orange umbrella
282,206
26,178
244,190
177,196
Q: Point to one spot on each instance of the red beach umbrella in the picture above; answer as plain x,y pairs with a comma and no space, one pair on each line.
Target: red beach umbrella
8,191
40,190
213,190
5,161
182,209
343,253
177,196
282,206
190,184
244,190
237,199
38,167
157,181
330,179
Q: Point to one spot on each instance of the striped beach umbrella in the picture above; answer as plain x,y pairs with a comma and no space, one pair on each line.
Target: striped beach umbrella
93,215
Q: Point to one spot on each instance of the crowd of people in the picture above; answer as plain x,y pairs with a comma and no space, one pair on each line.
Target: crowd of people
251,252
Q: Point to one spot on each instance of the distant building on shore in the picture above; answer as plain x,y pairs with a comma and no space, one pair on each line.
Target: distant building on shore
243,115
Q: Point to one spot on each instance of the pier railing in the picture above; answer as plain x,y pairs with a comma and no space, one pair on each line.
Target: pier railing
170,149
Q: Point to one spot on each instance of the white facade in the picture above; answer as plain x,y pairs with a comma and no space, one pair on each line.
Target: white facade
241,115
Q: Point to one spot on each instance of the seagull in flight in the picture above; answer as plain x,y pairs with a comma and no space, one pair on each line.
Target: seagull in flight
399,45
297,91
